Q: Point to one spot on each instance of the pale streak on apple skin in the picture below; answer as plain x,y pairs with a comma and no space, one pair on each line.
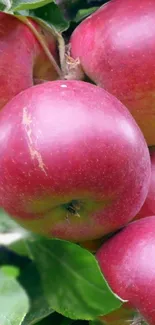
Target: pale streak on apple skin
26,121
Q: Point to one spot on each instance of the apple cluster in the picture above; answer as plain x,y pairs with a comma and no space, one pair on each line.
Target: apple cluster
77,157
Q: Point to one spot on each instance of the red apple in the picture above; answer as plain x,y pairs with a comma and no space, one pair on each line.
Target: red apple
127,261
148,208
73,162
22,59
116,48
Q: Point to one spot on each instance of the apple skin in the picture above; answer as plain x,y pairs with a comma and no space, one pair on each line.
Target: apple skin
148,208
116,49
74,164
128,264
22,59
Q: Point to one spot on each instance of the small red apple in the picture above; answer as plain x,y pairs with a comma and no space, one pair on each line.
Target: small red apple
148,208
116,49
22,59
73,162
127,261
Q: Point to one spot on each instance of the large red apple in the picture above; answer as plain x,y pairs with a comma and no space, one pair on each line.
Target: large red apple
22,59
116,48
127,261
73,162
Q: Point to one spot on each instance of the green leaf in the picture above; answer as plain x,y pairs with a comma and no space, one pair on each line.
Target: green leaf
96,322
53,319
15,241
81,323
10,271
28,4
39,307
83,13
6,223
12,235
47,10
14,303
4,5
18,245
72,280
67,321
52,16
57,319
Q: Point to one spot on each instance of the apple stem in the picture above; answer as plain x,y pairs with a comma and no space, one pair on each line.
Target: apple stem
42,42
62,52
70,69
61,45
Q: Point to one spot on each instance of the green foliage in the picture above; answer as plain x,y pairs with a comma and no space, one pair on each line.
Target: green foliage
62,277
14,302
6,223
95,322
51,15
57,13
39,308
12,235
83,13
28,4
72,280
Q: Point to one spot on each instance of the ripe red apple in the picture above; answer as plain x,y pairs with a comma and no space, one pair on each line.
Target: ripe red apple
73,162
116,48
22,59
148,208
127,261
